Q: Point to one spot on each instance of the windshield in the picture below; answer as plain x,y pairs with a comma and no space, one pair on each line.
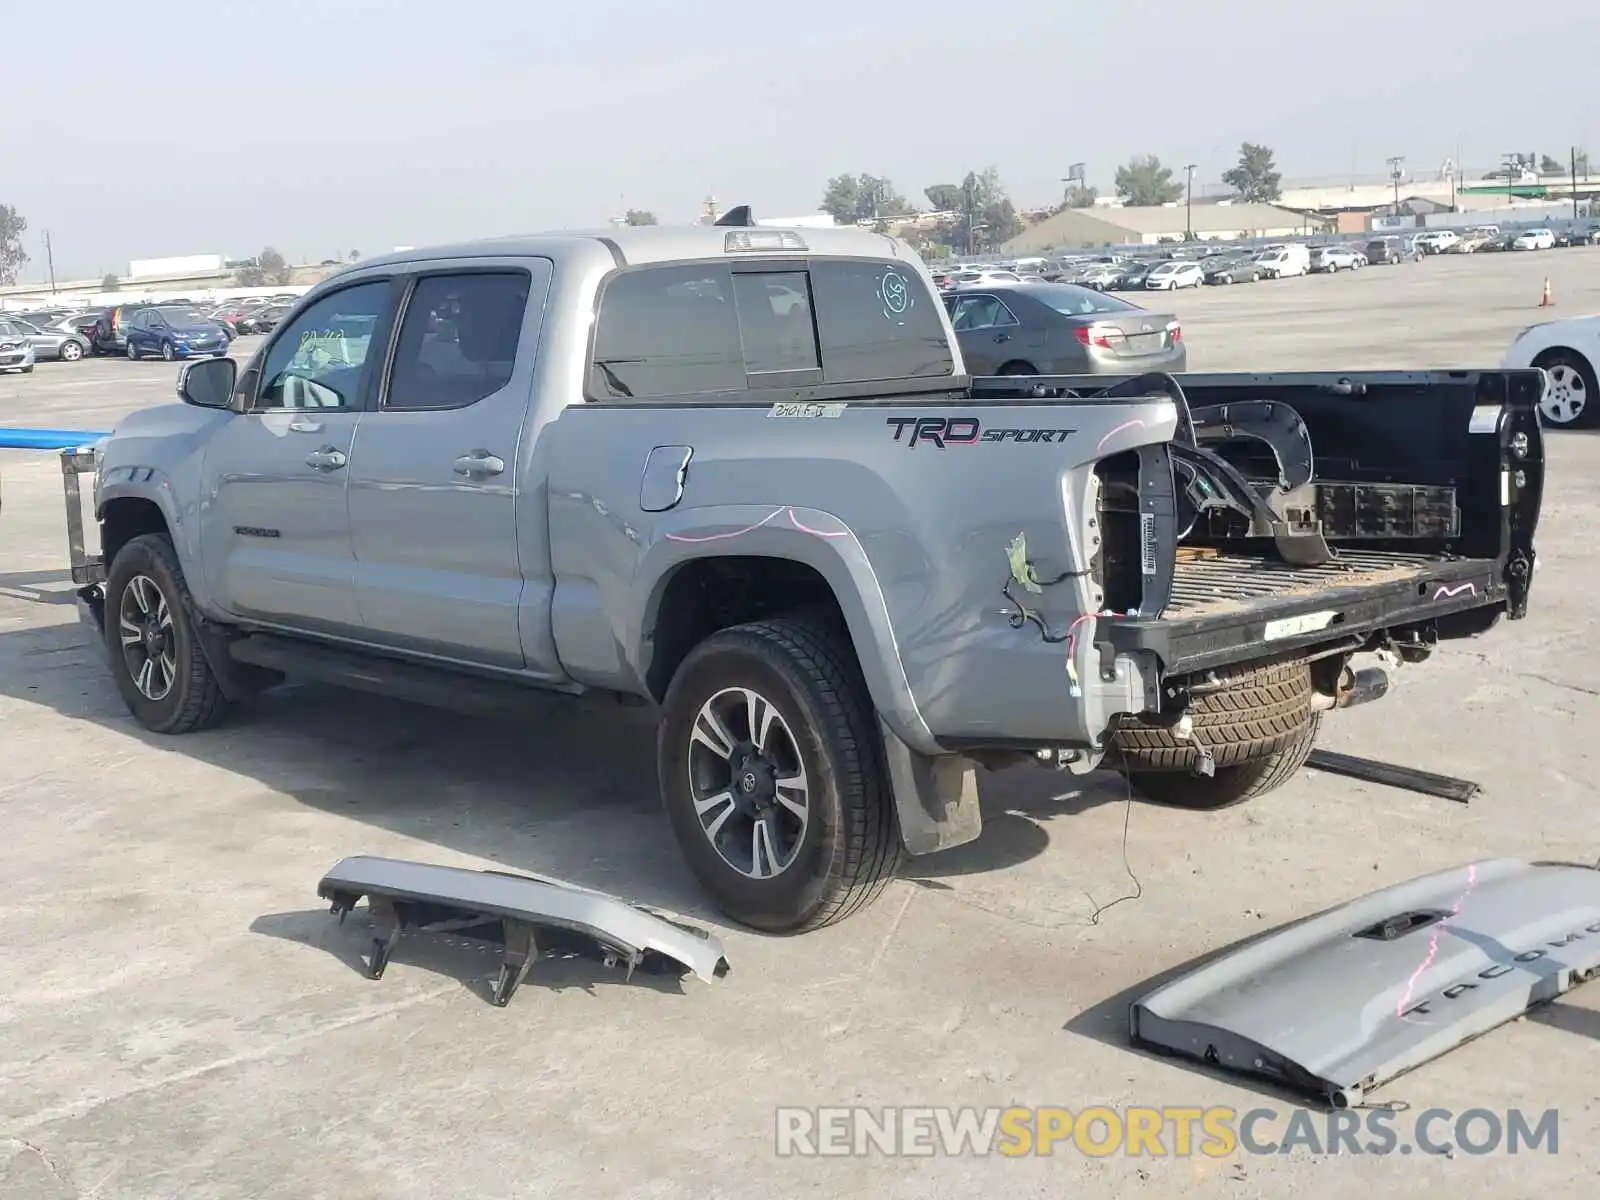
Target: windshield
1074,301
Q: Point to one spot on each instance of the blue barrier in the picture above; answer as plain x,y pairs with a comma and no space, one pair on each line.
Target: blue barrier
47,439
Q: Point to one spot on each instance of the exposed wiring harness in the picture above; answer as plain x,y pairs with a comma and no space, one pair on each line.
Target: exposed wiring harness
1024,575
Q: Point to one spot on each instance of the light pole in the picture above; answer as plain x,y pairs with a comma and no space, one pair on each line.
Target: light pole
1188,206
1395,173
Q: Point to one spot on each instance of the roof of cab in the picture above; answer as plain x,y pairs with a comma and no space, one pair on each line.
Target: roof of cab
659,243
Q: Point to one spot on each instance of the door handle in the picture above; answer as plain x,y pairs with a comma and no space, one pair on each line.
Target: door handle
1002,337
479,463
329,458
305,425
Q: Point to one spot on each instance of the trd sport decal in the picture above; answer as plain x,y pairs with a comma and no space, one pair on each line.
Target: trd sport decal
965,431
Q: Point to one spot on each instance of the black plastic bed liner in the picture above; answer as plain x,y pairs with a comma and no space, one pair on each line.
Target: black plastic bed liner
1228,607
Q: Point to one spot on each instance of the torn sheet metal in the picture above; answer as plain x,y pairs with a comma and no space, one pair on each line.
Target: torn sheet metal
1344,1001
521,911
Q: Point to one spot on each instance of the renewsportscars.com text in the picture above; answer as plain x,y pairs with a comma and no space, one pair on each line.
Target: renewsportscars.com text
1169,1131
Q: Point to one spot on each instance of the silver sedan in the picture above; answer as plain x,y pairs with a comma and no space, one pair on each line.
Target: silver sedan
59,341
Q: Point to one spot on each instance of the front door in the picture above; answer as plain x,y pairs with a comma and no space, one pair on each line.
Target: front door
275,527
434,493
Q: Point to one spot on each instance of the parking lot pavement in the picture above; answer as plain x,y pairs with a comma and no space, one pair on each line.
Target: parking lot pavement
181,1016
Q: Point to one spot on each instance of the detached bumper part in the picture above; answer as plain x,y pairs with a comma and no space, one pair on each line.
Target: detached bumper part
520,911
1339,1003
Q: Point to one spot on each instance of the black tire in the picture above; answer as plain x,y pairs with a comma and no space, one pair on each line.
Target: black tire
1252,727
133,355
28,370
167,352
71,351
1588,414
850,846
1230,785
195,699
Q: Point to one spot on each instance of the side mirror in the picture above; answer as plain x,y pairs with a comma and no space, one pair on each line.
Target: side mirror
208,382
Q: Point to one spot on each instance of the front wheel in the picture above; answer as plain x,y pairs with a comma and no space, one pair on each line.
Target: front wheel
156,658
167,351
771,771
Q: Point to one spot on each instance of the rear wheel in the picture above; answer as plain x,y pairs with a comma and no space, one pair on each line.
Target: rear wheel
1569,402
771,770
1258,726
132,353
71,351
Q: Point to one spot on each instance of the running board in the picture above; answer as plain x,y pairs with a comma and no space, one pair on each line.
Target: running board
524,914
1337,1004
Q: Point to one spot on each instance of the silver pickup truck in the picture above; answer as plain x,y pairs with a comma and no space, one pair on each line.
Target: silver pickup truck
740,474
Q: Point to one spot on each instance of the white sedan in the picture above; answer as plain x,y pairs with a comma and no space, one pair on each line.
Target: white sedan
1170,276
1569,352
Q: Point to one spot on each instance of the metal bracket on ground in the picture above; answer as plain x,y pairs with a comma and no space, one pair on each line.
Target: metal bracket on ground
1428,784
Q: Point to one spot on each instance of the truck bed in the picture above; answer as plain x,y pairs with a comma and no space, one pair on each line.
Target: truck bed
1209,582
1228,605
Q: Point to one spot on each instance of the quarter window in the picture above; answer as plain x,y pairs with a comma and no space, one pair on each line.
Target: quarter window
321,358
458,342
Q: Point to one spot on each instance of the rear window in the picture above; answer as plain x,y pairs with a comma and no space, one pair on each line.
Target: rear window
706,329
1078,301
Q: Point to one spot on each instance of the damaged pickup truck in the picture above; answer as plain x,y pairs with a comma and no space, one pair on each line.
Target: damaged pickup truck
740,474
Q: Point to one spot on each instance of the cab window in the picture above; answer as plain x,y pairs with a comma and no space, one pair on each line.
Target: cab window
320,360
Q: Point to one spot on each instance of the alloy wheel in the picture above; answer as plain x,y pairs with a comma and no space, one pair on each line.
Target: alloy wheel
1565,399
748,783
149,645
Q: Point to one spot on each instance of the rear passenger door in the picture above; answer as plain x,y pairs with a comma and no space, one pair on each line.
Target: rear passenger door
434,499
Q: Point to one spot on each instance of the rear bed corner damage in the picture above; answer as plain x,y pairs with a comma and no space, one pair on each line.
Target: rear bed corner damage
1344,1001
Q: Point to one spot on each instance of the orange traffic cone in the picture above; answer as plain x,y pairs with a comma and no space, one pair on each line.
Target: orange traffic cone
1546,300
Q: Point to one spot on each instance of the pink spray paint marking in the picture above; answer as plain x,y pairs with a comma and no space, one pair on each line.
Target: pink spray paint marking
794,520
1135,423
1433,942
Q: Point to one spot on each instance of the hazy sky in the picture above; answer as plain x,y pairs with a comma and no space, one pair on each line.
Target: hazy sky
322,126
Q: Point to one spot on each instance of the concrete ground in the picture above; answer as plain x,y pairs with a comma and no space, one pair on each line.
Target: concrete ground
179,1016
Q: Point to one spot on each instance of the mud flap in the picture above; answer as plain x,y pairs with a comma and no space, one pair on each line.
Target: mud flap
936,799
1339,1003
522,913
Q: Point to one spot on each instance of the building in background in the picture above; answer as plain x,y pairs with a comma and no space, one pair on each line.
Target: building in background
1078,228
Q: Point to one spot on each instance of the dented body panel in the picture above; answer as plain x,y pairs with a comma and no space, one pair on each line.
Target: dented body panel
1345,1001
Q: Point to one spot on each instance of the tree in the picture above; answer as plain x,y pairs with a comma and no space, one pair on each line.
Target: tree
852,198
1550,166
1144,181
638,216
12,255
1254,180
355,256
984,203
264,270
1079,196
110,283
944,197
